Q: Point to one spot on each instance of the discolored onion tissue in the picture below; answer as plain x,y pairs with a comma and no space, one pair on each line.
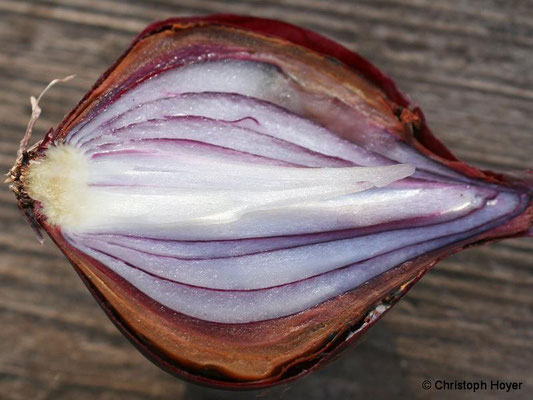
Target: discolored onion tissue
244,197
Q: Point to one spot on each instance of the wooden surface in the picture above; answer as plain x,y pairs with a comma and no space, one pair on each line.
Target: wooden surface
469,64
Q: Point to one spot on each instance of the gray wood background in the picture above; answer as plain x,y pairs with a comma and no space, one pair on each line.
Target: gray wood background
469,64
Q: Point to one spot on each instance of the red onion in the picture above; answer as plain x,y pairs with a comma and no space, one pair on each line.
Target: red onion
245,197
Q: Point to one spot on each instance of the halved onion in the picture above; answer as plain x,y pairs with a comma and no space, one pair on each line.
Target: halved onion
244,197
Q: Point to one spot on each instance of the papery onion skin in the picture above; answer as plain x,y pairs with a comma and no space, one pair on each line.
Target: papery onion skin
264,353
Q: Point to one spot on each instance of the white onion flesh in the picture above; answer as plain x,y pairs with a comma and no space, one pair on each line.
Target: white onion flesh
208,189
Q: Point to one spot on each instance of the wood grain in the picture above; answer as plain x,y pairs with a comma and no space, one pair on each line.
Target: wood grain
469,64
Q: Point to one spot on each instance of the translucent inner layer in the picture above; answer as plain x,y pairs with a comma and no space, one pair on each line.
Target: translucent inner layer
211,190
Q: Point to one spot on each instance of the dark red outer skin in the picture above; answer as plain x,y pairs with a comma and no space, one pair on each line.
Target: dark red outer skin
334,349
422,139
328,47
325,46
